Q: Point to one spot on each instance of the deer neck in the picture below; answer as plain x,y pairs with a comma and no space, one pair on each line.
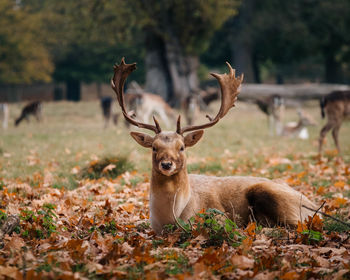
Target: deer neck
164,190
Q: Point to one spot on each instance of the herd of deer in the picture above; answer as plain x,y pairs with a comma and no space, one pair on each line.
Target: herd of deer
175,194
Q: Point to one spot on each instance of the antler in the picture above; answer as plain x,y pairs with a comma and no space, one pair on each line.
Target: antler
121,72
230,88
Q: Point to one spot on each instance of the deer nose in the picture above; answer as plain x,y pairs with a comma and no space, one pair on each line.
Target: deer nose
166,165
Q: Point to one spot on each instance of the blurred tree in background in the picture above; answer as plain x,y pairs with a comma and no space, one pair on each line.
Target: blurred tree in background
172,41
23,55
175,33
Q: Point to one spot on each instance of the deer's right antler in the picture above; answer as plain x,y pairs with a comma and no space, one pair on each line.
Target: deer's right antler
121,72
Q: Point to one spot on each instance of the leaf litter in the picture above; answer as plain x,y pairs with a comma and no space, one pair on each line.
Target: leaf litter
101,229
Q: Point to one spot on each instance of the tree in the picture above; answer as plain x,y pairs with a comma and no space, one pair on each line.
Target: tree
24,58
85,38
175,33
329,24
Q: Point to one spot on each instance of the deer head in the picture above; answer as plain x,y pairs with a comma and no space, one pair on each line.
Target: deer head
169,147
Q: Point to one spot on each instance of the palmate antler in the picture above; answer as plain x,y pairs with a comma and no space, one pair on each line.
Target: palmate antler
230,88
121,72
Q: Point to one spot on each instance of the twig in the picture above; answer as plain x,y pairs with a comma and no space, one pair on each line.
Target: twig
328,216
176,220
252,217
310,227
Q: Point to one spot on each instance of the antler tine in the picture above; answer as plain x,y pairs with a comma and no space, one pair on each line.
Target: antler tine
178,125
230,88
121,72
157,124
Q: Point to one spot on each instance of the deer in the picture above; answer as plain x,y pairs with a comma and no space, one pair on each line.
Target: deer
299,129
175,194
145,104
198,101
106,105
336,105
273,107
33,108
4,114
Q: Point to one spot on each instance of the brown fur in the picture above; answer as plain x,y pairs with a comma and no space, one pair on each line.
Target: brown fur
249,198
336,106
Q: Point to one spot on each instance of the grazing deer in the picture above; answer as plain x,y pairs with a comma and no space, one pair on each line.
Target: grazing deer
196,102
273,107
106,105
299,129
4,114
33,108
191,107
336,106
176,194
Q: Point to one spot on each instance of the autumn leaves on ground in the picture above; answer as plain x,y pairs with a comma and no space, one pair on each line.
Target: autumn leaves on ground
81,195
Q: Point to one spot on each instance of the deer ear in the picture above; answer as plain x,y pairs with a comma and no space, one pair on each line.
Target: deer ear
143,139
193,137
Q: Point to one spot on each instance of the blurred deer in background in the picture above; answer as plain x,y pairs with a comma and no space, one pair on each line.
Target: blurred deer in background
106,105
191,107
336,106
299,129
146,104
273,107
34,109
176,194
4,114
198,101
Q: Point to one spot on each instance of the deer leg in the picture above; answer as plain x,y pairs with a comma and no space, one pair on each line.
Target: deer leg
335,133
323,133
271,124
38,117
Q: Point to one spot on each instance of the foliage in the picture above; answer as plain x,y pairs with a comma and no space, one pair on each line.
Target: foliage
215,226
110,167
39,224
23,54
191,23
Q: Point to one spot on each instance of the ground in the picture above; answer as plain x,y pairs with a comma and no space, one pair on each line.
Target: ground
81,192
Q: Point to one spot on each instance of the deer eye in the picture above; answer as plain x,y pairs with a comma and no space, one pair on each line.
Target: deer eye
182,148
154,149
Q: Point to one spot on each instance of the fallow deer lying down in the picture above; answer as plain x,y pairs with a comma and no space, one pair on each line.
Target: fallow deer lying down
299,129
336,106
176,194
33,108
273,107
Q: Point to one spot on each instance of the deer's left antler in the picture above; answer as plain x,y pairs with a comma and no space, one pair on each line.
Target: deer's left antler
230,88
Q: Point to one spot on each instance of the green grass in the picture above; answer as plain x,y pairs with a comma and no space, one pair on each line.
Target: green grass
72,135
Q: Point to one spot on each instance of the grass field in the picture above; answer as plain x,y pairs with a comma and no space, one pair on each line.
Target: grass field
72,134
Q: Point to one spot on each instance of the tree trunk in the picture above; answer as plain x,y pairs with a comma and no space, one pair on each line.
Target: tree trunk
158,79
243,62
242,45
183,71
333,71
73,90
169,72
